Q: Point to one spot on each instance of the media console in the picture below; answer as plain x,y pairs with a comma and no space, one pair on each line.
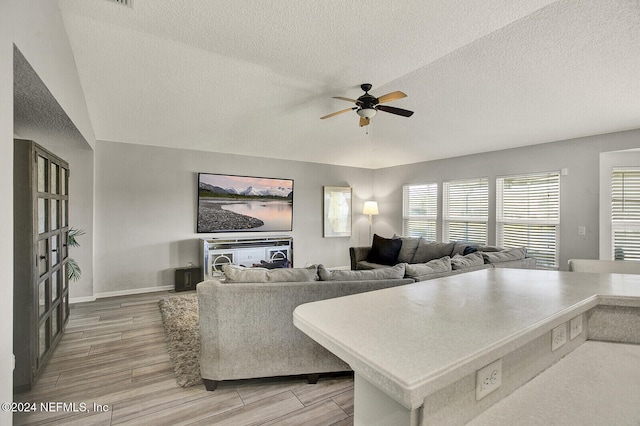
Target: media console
248,252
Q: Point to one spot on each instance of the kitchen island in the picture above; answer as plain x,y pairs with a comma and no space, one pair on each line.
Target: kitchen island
416,349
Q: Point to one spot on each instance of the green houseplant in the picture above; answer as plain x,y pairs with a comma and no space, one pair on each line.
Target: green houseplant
73,269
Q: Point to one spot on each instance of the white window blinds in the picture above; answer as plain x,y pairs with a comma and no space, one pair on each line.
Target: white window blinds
625,214
465,210
528,215
420,210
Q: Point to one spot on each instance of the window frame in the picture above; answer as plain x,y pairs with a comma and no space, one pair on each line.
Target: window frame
429,220
472,185
621,222
534,226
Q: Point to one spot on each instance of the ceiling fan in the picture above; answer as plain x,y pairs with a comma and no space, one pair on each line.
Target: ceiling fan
367,105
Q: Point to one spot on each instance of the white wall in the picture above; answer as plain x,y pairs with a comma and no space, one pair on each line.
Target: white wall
579,190
6,213
145,211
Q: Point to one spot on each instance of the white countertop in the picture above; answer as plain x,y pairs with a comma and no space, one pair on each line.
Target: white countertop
412,340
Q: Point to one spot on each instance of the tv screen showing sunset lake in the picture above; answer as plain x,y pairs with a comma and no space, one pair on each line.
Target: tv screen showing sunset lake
228,203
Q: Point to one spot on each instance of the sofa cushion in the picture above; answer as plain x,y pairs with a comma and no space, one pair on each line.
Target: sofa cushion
430,250
239,274
388,273
467,261
504,255
408,249
432,267
363,264
384,250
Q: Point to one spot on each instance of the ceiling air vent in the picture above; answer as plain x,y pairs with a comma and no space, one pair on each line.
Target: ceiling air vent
123,2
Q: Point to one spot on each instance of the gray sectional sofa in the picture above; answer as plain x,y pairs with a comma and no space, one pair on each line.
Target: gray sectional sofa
430,259
246,322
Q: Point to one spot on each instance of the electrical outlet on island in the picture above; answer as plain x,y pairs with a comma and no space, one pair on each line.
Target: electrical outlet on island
558,337
488,379
575,327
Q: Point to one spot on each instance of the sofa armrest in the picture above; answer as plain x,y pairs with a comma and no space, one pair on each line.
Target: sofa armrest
358,254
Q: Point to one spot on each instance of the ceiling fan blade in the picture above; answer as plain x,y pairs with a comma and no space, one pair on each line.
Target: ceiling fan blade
364,121
396,111
337,113
346,99
391,97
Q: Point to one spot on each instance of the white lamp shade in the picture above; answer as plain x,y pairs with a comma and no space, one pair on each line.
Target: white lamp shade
366,112
370,207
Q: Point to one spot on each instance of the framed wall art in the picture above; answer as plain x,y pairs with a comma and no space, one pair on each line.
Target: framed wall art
337,211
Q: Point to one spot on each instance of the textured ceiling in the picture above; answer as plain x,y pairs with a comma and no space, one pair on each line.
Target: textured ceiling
254,77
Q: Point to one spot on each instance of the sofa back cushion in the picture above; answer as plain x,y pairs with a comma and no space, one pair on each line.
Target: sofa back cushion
239,274
430,250
435,266
384,250
390,273
408,249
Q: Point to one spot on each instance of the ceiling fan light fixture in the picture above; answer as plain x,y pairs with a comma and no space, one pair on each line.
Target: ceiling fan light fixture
366,112
368,105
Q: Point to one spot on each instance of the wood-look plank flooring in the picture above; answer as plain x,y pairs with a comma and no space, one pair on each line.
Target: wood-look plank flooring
113,354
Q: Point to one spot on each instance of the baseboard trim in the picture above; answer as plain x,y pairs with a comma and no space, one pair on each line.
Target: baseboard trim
119,293
83,299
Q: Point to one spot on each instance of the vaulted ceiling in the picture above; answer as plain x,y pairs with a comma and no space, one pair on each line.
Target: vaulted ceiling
254,77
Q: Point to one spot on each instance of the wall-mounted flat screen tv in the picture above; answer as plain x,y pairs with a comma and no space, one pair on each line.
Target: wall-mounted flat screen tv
228,203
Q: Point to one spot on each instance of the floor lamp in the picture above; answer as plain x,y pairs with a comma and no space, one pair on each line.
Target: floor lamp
370,208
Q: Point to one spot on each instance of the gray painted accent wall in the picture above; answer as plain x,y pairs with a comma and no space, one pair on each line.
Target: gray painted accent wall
146,201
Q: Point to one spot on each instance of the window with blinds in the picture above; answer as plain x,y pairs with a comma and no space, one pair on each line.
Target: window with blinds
420,210
625,214
528,215
465,210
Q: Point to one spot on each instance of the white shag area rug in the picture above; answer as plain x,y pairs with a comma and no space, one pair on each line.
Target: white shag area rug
180,319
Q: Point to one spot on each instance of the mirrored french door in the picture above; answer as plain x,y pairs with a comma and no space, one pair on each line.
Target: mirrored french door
52,226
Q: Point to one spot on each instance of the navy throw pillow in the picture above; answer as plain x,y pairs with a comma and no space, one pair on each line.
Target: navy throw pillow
469,250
